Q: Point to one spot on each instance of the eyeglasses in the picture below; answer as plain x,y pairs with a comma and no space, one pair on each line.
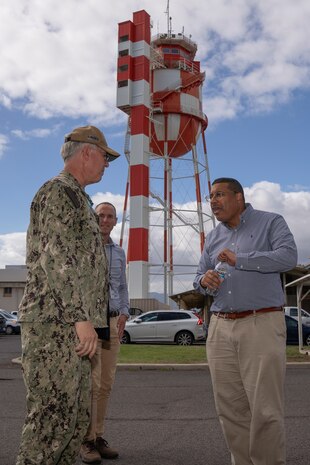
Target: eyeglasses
108,157
105,155
218,195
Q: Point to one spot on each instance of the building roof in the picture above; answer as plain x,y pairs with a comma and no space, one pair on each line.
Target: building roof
13,274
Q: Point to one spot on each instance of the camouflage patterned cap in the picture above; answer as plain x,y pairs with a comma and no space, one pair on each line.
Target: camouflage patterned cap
92,135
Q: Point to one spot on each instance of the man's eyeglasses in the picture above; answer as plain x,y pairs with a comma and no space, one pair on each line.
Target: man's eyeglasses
108,157
218,195
105,155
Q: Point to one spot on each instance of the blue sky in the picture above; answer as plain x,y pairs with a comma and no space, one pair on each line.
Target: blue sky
58,72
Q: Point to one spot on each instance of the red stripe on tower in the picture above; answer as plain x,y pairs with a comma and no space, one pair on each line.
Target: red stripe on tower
133,97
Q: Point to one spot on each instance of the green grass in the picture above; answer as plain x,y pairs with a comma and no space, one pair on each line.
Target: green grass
166,353
293,355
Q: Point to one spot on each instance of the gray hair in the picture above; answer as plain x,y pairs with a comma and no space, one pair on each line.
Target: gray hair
70,148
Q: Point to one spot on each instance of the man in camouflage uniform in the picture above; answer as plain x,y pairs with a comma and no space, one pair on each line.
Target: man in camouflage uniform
65,299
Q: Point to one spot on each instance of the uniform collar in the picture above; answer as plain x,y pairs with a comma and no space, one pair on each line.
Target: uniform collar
70,179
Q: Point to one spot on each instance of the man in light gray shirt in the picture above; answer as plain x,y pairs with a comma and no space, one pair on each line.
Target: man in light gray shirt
246,345
104,362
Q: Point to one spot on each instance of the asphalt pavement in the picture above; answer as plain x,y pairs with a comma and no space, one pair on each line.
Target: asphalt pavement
158,415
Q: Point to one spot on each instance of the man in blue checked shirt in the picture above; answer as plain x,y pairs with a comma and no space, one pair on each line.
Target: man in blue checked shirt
104,362
246,343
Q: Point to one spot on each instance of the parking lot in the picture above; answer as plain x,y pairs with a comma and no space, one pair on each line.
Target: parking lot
158,416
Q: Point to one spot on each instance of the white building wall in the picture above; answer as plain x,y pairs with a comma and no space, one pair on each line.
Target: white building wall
13,277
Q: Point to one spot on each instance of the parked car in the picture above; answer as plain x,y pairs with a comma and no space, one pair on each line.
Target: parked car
11,324
2,325
292,332
179,326
134,311
293,312
15,314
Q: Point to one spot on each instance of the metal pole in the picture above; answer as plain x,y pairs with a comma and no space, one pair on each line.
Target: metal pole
207,169
170,237
198,197
165,223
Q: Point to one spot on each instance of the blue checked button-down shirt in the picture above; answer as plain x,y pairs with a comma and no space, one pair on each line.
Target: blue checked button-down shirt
264,247
118,296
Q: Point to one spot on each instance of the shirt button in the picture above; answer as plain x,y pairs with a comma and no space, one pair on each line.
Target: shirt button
229,292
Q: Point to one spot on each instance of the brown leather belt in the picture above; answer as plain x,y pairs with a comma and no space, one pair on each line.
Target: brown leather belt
243,314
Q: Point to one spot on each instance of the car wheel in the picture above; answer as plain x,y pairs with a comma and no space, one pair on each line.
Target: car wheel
184,338
9,330
126,338
307,341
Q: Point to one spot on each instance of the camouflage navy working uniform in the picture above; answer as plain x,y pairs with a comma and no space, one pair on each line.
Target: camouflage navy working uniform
66,283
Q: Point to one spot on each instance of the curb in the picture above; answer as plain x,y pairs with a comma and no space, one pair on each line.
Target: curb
147,366
162,366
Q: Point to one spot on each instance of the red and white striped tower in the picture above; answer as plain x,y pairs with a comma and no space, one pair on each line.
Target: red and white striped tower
160,88
133,97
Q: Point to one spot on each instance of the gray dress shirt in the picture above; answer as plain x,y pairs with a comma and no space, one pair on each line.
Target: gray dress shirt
118,295
264,247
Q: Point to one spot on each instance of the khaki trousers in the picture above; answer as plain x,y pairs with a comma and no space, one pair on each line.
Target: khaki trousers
103,368
247,361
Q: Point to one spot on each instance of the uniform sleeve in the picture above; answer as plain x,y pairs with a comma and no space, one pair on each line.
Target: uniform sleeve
65,254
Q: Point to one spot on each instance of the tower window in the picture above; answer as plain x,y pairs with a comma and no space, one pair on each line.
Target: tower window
122,68
123,83
124,38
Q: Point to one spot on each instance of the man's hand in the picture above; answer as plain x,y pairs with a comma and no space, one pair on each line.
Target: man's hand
121,325
211,280
227,256
87,337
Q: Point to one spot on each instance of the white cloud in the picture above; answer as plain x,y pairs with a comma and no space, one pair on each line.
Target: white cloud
37,133
12,249
3,144
5,101
294,206
256,53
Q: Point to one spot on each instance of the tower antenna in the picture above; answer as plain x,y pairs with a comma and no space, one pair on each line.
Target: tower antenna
169,20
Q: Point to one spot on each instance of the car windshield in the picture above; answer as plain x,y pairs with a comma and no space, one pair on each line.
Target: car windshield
7,314
148,317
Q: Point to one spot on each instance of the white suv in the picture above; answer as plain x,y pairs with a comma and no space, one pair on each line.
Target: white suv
293,312
180,326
